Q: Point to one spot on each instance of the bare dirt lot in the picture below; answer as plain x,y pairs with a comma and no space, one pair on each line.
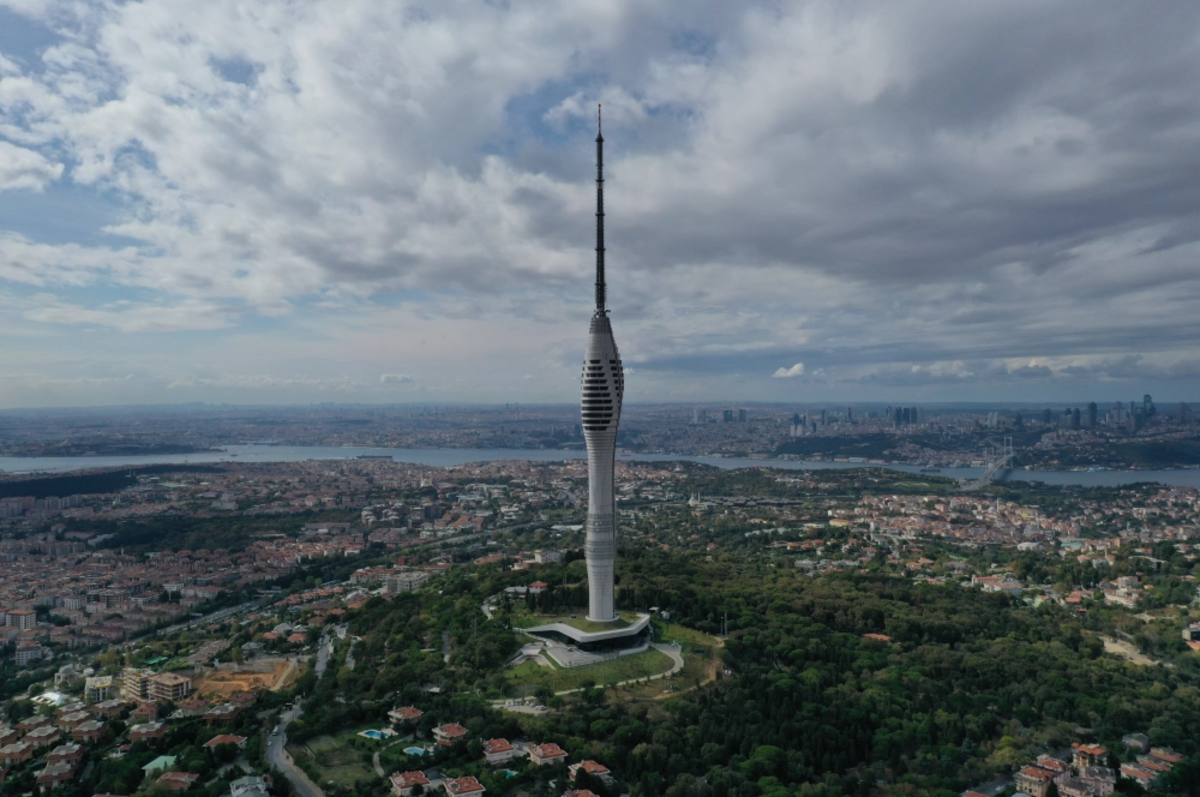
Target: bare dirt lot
1125,650
225,682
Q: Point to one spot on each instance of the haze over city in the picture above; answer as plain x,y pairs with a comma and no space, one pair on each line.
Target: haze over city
365,202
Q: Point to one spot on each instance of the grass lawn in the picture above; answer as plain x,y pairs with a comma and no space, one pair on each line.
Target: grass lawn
624,668
687,637
699,663
337,761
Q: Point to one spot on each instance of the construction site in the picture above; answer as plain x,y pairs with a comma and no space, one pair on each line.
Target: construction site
228,679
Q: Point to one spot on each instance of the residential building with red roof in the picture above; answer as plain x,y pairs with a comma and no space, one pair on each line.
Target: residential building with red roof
404,714
1138,774
463,787
1088,755
1166,754
178,781
226,738
497,751
548,754
403,783
450,733
592,768
1034,780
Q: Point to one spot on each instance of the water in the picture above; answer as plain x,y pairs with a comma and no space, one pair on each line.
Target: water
445,457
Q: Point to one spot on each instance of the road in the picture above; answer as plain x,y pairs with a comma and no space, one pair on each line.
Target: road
215,617
323,654
281,759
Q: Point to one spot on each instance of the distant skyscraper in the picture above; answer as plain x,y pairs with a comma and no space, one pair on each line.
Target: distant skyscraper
741,416
603,389
1093,414
727,416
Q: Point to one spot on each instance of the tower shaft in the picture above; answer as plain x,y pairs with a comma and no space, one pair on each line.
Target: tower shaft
602,391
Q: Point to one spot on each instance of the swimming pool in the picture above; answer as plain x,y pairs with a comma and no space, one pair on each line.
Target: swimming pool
375,734
415,750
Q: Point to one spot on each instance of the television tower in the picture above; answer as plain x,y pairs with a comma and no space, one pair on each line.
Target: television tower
603,388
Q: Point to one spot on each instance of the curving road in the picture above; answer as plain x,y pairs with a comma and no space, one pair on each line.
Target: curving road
281,759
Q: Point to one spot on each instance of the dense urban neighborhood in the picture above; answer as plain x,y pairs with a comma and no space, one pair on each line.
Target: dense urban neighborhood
361,626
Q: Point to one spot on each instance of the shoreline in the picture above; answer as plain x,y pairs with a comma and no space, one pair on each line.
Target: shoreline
1183,476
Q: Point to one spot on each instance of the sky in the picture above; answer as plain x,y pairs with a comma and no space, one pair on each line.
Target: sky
892,200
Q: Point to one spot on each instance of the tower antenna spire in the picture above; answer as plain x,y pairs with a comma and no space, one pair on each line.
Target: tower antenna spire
600,286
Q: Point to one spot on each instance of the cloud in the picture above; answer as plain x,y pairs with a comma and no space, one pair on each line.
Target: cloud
23,168
795,370
1010,187
396,379
1032,372
260,382
133,317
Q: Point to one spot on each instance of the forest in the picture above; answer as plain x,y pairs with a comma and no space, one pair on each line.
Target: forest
109,481
969,686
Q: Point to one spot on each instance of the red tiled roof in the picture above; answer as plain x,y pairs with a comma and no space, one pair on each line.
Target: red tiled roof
1037,773
406,780
467,785
547,750
224,738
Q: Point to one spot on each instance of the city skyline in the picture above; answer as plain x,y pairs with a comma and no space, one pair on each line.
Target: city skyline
293,204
